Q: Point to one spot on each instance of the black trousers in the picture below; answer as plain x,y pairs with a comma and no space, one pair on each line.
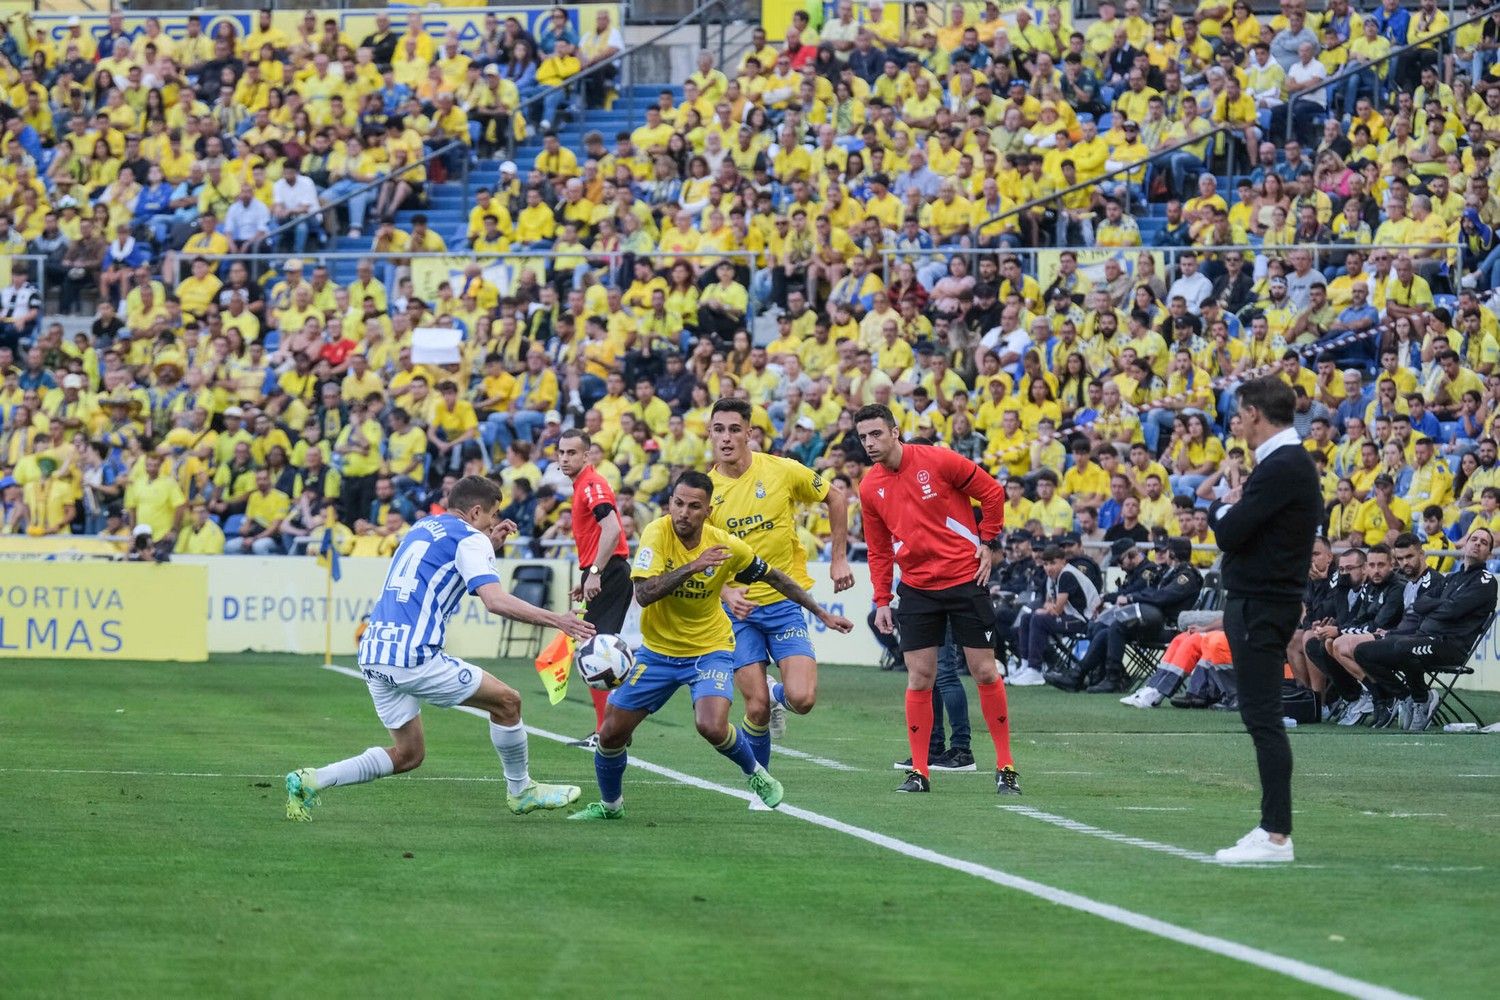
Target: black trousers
1258,631
1343,682
1107,640
1398,663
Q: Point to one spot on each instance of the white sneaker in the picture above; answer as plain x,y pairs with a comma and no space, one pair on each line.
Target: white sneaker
1359,711
1025,677
1146,697
778,720
1255,847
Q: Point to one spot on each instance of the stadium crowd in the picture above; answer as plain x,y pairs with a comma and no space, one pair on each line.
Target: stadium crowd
902,194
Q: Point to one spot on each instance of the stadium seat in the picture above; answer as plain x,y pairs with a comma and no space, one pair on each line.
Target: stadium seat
530,583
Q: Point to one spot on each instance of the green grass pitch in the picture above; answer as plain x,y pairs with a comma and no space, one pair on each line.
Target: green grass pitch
144,853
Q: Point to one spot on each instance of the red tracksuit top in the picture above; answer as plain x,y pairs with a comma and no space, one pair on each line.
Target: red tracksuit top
921,517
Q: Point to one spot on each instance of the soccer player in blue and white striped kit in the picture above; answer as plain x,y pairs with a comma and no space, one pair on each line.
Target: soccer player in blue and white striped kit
401,653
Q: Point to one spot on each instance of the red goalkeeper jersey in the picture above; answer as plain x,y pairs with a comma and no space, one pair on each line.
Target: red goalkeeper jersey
920,517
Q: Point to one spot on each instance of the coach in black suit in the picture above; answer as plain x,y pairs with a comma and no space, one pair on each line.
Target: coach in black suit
1266,528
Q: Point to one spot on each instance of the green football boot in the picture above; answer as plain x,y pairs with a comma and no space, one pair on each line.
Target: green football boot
301,794
539,796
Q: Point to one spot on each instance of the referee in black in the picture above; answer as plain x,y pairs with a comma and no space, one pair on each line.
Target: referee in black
1265,528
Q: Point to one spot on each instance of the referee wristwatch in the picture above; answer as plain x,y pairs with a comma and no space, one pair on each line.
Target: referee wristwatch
594,571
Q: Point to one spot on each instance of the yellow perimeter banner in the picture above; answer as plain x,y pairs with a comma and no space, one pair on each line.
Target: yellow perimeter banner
103,611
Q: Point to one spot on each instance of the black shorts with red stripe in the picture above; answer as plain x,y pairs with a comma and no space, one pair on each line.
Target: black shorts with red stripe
923,617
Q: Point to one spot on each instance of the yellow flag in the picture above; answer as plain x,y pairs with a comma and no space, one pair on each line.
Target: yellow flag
553,665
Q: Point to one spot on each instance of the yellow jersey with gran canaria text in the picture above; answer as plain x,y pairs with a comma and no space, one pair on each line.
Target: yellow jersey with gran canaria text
761,507
689,621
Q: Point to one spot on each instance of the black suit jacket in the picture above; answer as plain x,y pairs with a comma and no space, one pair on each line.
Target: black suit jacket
1267,537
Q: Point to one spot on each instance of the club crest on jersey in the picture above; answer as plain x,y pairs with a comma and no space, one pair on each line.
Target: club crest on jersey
760,490
709,570
924,480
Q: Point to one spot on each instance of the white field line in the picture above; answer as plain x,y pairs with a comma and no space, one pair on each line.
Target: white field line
828,762
488,780
1290,967
1110,835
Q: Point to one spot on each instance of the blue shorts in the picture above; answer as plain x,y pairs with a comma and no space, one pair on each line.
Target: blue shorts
771,634
656,678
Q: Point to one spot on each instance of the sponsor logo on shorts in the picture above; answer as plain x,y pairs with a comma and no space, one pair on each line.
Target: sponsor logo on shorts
465,676
792,633
376,675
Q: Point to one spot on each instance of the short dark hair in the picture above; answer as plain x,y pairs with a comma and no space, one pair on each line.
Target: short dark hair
1272,397
474,491
874,411
695,480
581,435
1380,548
1406,540
1053,553
738,407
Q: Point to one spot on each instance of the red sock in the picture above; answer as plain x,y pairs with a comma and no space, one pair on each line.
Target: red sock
992,704
919,727
600,699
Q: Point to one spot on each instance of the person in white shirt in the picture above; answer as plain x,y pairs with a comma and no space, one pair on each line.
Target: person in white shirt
247,221
1192,285
1307,97
294,200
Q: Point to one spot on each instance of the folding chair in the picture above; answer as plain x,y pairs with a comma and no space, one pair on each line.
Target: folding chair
532,584
1443,679
1142,658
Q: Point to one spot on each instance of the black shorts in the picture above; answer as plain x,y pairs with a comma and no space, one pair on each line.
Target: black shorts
606,612
924,616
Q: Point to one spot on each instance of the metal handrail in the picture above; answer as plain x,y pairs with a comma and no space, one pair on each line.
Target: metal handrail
1127,168
438,153
1348,72
620,57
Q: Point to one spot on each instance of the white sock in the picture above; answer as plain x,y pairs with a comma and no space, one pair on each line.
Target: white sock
1024,665
510,744
373,763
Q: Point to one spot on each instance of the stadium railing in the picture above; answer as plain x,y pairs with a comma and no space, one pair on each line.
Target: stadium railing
313,218
1329,254
1443,40
698,15
1119,172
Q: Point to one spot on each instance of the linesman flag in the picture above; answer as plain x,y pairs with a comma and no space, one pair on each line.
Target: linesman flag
554,664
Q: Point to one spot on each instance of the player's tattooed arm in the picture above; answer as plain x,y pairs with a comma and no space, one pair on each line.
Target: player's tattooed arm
789,588
650,589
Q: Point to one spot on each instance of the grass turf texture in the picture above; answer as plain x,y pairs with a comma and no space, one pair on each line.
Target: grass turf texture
135,885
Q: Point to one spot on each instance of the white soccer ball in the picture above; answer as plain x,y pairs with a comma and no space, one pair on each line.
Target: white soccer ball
604,662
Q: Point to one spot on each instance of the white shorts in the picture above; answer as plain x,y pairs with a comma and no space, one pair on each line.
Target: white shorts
398,691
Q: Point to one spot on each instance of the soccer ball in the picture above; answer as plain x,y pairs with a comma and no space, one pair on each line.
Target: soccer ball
604,662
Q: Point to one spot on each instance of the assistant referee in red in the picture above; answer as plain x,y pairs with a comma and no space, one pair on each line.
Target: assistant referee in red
918,516
603,552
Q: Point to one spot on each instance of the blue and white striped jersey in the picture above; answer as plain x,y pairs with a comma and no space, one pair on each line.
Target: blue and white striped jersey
440,560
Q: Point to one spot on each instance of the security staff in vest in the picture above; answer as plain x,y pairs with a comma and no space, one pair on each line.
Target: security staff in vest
1265,528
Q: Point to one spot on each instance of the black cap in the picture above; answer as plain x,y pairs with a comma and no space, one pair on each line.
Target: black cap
1017,537
1181,548
1068,538
1120,547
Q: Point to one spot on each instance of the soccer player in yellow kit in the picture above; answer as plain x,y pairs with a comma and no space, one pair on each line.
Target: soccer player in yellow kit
756,498
681,567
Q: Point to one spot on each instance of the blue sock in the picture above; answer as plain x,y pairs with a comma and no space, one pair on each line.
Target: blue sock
759,738
736,747
609,768
778,693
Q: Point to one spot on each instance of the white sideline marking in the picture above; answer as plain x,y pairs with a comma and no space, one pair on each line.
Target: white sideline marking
1111,835
1154,809
1479,775
216,774
827,762
1398,815
1289,967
